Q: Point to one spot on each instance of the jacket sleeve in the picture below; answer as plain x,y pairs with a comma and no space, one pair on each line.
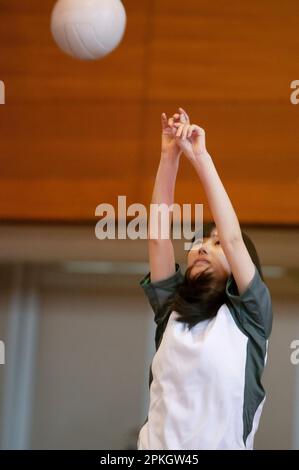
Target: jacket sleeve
253,307
160,292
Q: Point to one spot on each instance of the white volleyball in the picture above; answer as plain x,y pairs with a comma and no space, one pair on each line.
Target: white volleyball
88,29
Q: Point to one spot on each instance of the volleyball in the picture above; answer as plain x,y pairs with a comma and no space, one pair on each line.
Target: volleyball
88,29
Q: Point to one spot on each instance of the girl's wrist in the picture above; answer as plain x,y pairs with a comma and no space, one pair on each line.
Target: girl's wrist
202,157
201,161
172,157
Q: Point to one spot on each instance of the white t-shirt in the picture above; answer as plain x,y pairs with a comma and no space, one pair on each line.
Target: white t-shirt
205,388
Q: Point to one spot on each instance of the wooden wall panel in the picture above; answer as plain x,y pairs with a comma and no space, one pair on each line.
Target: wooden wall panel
52,141
74,134
227,51
70,130
37,71
60,199
230,64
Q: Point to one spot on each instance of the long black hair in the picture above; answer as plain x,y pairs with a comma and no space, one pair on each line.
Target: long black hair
200,297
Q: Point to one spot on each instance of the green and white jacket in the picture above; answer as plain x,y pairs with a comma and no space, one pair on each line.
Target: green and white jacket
205,384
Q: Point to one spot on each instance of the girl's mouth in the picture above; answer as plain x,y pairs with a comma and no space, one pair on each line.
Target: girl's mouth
201,261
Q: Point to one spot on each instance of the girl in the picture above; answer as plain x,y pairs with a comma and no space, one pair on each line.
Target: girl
213,322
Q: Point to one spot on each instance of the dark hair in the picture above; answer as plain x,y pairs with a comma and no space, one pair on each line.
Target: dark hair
199,298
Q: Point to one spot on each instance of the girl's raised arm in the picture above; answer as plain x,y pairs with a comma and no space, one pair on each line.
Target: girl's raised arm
191,139
161,252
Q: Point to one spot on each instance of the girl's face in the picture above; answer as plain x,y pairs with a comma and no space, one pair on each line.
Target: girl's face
207,255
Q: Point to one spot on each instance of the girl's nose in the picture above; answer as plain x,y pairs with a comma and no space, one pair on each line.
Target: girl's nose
203,249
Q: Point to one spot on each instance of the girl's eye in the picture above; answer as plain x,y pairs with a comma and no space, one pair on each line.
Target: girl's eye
217,242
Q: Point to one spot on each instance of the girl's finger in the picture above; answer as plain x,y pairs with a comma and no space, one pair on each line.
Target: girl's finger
190,130
180,130
176,117
199,130
185,131
182,111
164,120
183,117
170,121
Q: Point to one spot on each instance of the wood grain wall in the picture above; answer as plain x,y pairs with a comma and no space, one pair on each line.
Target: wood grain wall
75,134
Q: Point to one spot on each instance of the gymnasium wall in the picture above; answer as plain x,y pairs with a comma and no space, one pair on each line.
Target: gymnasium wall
75,134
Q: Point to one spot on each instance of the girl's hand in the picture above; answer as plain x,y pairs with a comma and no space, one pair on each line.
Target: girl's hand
169,145
191,140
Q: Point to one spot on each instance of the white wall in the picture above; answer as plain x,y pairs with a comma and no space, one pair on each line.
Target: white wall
90,373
